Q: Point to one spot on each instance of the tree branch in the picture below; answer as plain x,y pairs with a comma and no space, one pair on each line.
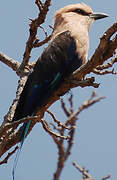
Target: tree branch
13,64
64,151
33,32
8,156
108,65
85,174
48,130
38,44
104,72
56,121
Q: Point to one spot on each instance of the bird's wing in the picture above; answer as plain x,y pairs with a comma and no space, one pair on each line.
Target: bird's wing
57,61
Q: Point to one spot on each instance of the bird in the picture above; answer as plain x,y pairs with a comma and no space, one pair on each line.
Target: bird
67,51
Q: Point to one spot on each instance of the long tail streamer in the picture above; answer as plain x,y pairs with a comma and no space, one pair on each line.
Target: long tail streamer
25,129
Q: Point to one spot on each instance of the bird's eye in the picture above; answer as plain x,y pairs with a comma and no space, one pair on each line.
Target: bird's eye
80,11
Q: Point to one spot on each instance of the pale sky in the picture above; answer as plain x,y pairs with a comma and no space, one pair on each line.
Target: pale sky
95,141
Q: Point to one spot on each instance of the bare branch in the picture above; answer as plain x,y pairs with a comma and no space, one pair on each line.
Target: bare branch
84,106
61,160
65,109
108,65
7,126
64,151
71,139
85,174
57,121
106,177
46,34
13,64
71,103
8,156
98,72
39,4
38,44
33,31
47,129
86,82
8,117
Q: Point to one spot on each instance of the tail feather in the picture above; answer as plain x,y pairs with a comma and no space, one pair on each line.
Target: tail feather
25,129
56,81
16,160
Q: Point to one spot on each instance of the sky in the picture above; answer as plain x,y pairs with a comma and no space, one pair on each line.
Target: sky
95,145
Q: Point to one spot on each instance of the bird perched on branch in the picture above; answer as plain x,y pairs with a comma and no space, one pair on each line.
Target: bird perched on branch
67,51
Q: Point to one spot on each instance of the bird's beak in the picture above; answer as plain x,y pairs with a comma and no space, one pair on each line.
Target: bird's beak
97,16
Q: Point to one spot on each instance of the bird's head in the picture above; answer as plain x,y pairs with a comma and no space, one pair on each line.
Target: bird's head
76,18
79,12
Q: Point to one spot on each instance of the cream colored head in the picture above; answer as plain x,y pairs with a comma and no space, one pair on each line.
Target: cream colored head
76,18
72,7
78,15
73,14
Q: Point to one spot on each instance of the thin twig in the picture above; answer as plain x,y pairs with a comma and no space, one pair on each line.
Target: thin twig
106,177
84,106
57,121
39,4
65,109
9,61
38,44
71,102
48,129
108,65
85,174
33,32
8,156
83,83
64,151
46,34
16,123
98,72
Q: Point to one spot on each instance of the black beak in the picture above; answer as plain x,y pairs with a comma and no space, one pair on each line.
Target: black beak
97,16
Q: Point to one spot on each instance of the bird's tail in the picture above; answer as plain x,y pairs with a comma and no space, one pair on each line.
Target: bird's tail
24,132
51,87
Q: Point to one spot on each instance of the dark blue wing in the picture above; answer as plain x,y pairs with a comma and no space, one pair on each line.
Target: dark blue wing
58,61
